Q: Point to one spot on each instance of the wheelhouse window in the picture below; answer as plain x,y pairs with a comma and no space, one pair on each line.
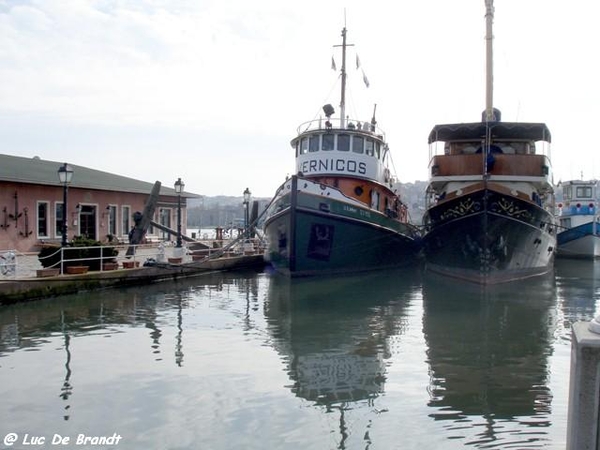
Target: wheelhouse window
567,193
583,192
358,144
313,144
343,142
328,141
42,219
304,146
369,147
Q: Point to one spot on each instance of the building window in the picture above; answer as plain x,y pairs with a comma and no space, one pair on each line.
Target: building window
165,220
126,216
58,222
112,220
42,219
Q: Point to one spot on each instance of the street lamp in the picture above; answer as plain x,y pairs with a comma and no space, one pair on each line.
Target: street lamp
65,174
247,195
179,185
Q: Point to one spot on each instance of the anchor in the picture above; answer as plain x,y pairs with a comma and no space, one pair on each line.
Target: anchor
4,223
17,214
27,231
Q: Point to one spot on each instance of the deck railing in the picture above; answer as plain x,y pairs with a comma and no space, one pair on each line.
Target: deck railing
509,165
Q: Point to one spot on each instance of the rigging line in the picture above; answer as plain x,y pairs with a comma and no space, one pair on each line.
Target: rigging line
334,86
389,152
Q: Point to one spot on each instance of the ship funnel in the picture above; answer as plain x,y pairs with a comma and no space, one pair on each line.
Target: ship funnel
328,110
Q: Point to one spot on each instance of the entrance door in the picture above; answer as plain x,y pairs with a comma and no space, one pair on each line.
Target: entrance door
87,221
165,219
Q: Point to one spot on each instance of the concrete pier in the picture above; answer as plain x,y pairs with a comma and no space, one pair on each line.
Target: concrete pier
584,389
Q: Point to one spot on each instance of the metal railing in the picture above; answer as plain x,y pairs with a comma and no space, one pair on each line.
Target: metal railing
103,258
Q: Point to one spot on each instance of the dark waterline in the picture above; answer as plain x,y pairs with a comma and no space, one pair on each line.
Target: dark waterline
251,360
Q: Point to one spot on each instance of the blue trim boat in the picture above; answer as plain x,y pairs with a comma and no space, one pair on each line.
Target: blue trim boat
579,220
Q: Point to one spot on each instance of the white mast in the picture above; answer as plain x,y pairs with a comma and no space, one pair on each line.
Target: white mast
489,85
343,95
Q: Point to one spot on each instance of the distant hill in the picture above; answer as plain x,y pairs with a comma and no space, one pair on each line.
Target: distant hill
227,211
219,211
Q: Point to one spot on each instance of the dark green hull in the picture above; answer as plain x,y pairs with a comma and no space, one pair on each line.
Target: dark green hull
316,235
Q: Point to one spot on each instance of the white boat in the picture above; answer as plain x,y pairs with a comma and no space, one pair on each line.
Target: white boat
340,212
579,220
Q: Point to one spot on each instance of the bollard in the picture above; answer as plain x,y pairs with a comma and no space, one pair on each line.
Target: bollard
584,388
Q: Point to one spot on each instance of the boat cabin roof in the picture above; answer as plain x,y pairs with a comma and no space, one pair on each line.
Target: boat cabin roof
475,131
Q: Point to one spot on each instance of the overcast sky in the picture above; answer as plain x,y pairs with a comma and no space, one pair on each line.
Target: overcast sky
213,91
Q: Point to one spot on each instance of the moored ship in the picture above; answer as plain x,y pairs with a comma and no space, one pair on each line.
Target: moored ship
339,212
490,198
579,220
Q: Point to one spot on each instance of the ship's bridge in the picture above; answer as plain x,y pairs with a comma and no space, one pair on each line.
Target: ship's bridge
348,148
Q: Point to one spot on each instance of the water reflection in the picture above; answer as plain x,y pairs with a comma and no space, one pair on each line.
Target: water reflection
31,325
66,389
335,337
578,285
122,360
488,355
252,361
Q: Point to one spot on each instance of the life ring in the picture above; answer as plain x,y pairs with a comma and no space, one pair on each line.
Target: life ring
7,263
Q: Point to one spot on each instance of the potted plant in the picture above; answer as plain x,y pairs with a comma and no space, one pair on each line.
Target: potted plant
81,251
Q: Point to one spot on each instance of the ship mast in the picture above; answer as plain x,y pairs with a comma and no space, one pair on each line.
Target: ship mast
343,94
489,94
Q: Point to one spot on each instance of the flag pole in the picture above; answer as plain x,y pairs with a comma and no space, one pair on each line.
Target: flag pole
343,94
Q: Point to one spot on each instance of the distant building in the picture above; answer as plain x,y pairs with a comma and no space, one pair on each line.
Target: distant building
100,205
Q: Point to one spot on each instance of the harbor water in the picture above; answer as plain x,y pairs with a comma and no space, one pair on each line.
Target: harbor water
250,360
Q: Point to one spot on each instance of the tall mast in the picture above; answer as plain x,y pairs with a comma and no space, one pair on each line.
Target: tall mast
489,79
343,95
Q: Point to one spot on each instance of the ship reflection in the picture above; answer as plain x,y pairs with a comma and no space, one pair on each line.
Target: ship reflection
335,336
488,355
577,284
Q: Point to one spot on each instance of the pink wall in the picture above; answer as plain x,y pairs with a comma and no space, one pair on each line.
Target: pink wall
26,234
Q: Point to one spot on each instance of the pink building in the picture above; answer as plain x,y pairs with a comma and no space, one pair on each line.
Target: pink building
100,205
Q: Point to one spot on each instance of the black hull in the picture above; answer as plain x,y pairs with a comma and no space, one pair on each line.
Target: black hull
488,237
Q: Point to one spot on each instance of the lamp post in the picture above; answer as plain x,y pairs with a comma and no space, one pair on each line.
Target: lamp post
179,185
65,174
247,195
